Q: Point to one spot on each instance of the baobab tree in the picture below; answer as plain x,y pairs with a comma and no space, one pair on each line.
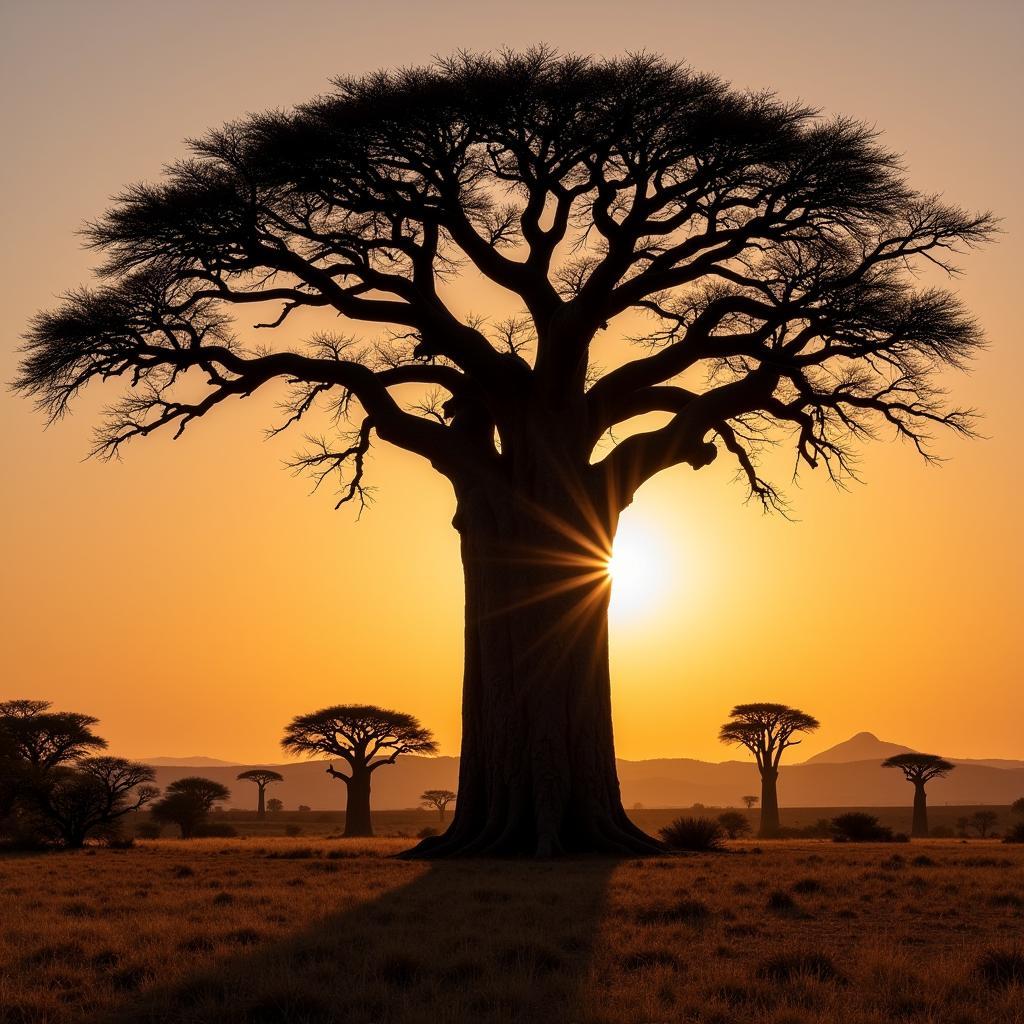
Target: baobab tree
920,769
263,777
439,799
750,801
763,258
766,730
366,738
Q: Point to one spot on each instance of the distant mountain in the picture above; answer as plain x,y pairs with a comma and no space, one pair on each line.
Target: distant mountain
661,782
188,762
865,746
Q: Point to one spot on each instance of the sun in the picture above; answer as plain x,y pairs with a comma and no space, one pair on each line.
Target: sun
637,570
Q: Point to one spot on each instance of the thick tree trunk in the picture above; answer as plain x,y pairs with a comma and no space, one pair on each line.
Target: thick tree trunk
357,810
769,804
261,807
919,829
537,774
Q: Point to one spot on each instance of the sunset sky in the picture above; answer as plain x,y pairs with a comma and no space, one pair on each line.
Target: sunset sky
195,597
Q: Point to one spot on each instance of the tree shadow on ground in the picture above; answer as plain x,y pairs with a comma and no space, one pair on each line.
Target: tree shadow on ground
479,941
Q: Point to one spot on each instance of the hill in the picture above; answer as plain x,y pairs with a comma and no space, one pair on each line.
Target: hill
659,782
865,746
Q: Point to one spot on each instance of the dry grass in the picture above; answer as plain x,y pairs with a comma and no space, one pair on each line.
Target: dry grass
315,931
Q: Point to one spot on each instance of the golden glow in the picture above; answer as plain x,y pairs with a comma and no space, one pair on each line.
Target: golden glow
194,598
638,572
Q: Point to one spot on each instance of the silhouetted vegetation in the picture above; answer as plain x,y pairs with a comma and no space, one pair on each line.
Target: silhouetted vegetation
920,769
51,789
983,822
735,824
187,802
766,730
750,801
439,799
857,827
771,250
263,777
366,738
693,834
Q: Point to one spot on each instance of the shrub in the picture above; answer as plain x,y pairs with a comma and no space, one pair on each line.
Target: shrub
780,902
426,833
148,830
120,842
1002,967
209,830
734,823
1015,833
857,827
293,830
685,911
789,966
698,835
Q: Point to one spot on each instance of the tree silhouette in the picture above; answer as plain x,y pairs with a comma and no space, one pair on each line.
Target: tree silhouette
983,821
364,736
89,799
735,824
274,805
187,802
263,777
750,801
766,730
920,769
1017,807
45,739
742,241
439,799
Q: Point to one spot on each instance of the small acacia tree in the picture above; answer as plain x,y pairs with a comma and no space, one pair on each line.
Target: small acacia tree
187,802
920,769
735,824
275,806
89,800
763,257
983,822
750,802
766,730
366,738
439,799
263,777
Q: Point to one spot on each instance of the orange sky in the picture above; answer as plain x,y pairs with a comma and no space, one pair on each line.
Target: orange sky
194,597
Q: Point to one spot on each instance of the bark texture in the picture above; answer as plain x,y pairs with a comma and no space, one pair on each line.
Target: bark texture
919,829
357,809
769,804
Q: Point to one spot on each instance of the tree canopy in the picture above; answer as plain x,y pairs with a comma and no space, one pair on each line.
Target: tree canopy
919,767
766,730
773,251
361,734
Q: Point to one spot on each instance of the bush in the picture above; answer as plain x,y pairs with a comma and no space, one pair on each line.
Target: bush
120,842
698,835
1002,967
208,830
426,833
789,966
1015,833
293,830
734,823
148,830
857,827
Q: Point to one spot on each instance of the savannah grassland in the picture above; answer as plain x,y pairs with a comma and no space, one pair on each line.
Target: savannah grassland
311,930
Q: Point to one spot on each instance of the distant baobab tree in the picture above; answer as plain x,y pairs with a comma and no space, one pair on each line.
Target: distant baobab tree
186,803
750,801
762,256
920,769
263,777
366,738
766,730
439,799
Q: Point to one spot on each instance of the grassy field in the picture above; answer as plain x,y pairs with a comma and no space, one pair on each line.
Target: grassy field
408,823
299,930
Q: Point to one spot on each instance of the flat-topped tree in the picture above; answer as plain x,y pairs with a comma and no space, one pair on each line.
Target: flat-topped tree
766,730
439,799
186,802
920,769
366,738
43,740
263,777
772,252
